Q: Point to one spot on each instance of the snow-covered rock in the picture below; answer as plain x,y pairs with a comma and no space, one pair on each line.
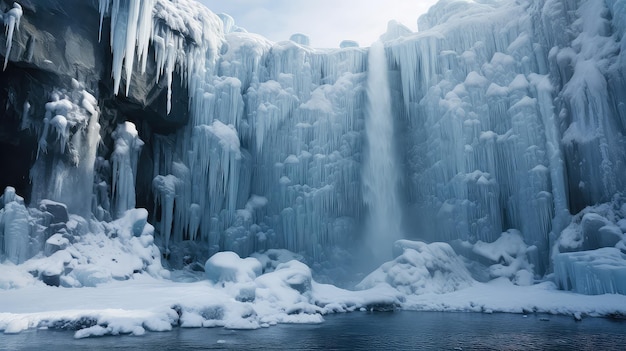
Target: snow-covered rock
227,266
421,268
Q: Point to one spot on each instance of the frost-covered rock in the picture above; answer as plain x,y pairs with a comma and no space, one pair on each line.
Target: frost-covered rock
509,256
594,227
56,209
55,243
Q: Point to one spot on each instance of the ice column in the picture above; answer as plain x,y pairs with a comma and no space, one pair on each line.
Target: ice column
14,227
380,170
64,170
125,157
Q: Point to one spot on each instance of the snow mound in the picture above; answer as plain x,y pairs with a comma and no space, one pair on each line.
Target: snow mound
227,266
421,268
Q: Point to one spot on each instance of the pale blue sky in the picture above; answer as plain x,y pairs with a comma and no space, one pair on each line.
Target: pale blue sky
326,22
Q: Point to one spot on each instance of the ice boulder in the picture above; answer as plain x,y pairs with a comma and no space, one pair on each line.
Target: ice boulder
348,44
421,268
300,38
227,266
593,272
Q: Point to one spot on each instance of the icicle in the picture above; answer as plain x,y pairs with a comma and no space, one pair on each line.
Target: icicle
11,23
103,7
131,30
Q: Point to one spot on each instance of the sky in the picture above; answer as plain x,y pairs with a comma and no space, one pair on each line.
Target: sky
325,22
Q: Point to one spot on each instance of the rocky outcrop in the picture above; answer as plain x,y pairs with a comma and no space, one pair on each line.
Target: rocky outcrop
57,41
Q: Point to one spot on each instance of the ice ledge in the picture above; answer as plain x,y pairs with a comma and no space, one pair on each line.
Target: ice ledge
594,272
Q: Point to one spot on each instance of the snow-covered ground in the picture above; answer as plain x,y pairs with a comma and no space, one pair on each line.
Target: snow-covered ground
235,293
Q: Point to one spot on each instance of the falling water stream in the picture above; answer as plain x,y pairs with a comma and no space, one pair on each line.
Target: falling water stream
380,172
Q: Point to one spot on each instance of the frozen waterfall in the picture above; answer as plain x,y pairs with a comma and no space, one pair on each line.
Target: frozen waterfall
380,169
498,129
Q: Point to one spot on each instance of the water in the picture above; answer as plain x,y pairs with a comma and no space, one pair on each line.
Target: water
380,169
363,331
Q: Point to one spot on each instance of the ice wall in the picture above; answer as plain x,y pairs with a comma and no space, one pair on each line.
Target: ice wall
271,154
513,115
511,118
276,121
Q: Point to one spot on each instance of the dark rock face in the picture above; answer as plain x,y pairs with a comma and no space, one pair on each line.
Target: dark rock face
57,41
51,39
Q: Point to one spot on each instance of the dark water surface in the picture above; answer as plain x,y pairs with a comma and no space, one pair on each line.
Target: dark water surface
362,331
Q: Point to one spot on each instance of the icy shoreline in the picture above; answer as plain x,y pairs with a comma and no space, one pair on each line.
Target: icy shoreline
145,304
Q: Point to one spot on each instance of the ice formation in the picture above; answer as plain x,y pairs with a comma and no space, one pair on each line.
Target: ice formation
11,20
506,128
495,134
125,158
68,143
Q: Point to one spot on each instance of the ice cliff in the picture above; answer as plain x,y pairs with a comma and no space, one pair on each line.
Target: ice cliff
507,122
